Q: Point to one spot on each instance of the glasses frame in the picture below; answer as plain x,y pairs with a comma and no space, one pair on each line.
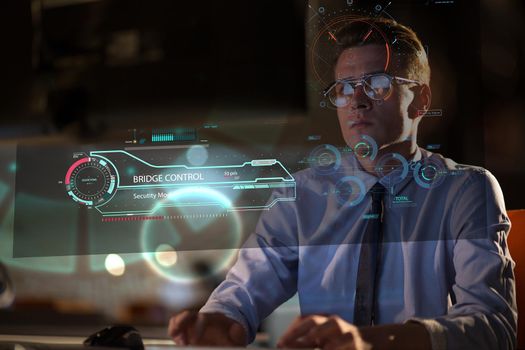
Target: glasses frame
355,82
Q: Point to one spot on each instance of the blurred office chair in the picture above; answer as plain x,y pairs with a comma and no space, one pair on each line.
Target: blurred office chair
516,242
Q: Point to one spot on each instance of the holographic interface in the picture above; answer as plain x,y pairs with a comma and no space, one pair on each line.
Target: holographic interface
186,197
178,187
105,181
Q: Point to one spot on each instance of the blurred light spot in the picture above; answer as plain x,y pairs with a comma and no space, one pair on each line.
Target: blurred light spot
195,193
12,167
197,155
115,265
130,171
123,47
166,255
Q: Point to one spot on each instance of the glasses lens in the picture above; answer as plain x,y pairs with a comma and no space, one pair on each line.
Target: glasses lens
341,94
378,86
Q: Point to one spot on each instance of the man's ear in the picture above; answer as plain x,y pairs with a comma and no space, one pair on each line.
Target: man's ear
421,102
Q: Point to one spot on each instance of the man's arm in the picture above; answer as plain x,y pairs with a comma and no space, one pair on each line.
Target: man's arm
484,313
261,279
264,276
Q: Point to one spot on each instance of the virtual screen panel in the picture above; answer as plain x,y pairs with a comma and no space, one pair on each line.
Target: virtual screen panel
208,197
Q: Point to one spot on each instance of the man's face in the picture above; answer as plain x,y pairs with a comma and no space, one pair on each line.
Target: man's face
386,121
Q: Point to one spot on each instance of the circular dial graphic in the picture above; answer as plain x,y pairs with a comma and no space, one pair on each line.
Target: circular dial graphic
395,164
91,181
325,159
350,191
364,146
429,173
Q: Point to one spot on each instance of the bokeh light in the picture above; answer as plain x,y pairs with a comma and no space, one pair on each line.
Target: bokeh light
166,255
197,238
115,265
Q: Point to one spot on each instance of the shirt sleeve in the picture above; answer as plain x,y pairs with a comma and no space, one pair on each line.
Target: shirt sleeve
265,273
484,310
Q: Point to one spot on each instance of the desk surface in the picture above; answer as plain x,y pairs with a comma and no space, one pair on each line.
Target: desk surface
62,340
39,342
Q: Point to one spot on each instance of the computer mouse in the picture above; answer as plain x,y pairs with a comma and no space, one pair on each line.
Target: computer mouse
116,336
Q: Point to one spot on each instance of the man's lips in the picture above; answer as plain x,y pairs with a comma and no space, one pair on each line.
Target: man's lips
358,123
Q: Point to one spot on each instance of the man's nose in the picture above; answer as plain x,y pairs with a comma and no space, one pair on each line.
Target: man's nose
359,99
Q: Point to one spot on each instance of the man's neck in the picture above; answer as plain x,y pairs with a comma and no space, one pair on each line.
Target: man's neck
406,148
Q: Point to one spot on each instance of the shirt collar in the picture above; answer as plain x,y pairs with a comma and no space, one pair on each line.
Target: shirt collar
351,166
394,187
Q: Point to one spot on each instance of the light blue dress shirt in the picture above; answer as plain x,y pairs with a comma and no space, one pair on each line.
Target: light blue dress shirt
445,261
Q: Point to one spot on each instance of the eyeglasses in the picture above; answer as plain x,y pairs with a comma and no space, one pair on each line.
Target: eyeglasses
377,86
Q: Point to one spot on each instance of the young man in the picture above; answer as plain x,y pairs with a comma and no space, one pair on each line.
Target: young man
432,273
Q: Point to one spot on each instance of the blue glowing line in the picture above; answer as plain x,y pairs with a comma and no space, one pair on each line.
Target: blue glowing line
229,208
78,199
170,185
189,167
111,186
199,187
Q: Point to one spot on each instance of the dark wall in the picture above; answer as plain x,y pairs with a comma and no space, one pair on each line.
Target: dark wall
101,65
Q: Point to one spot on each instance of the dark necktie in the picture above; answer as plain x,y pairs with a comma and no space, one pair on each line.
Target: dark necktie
365,293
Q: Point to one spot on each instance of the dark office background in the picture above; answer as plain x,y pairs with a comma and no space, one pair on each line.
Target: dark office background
90,69
86,71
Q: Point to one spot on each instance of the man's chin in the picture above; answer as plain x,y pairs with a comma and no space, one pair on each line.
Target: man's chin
354,138
363,143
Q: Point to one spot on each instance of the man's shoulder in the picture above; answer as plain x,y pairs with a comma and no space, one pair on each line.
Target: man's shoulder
450,164
457,172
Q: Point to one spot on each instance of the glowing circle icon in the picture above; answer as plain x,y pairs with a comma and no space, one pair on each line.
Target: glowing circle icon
362,149
395,164
429,174
365,147
350,191
325,159
91,181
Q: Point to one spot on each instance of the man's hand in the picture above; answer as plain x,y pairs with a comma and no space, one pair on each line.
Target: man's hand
333,333
328,333
208,329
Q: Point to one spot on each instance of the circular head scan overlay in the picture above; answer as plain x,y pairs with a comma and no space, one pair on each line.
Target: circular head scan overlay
327,40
